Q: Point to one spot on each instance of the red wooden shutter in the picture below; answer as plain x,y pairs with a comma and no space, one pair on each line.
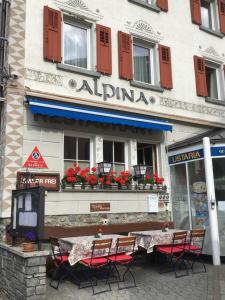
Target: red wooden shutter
125,56
200,76
104,49
162,4
166,80
221,7
196,12
52,34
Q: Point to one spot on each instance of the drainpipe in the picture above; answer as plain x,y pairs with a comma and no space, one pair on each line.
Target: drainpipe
213,221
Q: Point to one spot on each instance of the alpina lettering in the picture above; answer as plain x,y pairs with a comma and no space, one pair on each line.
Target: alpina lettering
107,91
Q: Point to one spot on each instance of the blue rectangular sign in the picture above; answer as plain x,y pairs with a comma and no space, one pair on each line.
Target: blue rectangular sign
187,156
218,151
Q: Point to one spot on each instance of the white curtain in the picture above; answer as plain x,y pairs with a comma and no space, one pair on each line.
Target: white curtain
75,46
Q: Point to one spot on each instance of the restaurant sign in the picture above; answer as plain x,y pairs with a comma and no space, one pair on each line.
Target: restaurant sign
187,156
100,206
50,181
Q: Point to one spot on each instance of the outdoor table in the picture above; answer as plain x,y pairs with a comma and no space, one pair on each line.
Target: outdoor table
151,238
81,247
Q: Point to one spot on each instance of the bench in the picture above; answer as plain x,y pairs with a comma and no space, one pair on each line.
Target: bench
60,231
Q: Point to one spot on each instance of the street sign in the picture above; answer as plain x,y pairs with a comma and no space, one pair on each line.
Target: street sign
35,160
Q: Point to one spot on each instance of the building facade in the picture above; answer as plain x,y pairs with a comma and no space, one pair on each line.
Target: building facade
92,81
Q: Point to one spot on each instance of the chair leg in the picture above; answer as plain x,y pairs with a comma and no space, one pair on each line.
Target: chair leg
58,281
128,266
201,261
181,262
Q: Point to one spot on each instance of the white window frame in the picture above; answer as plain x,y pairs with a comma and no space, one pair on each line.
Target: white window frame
219,78
155,163
213,13
80,135
87,27
125,141
153,61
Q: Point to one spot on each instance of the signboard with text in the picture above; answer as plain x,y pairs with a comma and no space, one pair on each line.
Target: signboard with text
50,181
99,206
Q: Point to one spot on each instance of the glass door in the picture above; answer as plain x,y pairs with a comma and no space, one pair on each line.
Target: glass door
198,199
219,181
179,195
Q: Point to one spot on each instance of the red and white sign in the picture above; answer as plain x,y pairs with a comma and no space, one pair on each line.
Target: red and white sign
35,160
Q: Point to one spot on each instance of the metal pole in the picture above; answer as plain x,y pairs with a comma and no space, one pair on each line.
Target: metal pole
214,231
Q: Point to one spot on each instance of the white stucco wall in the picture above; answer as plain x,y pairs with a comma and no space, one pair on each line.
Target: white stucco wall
175,30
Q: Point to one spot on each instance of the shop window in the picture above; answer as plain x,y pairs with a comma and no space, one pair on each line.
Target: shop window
114,153
77,150
146,155
76,45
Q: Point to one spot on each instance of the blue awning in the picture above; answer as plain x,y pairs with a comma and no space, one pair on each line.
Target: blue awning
70,111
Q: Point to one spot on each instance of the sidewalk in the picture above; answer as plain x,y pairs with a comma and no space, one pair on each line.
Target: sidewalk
155,286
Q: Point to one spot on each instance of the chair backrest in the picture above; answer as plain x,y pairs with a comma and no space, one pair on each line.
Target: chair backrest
101,248
55,246
179,237
197,237
125,244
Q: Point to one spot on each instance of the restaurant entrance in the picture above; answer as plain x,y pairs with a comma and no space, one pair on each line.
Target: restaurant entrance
189,190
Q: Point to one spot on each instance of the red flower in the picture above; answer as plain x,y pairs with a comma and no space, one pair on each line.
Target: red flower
101,180
108,182
147,177
122,182
93,169
71,179
70,172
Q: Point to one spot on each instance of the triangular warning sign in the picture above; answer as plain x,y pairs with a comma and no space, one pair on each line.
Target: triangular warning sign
35,160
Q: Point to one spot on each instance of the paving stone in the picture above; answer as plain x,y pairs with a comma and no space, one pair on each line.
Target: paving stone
151,285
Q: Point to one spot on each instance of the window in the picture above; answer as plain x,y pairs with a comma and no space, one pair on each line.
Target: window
211,82
77,150
206,14
76,45
146,154
149,1
143,57
114,153
214,82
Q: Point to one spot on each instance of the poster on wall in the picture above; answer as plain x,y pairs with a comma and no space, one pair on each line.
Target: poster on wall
35,160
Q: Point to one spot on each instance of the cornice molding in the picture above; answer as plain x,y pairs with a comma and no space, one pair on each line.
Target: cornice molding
212,54
143,30
78,8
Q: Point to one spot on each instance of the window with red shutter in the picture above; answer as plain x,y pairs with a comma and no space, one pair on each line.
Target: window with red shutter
52,34
125,56
221,8
200,76
196,11
162,4
165,67
104,49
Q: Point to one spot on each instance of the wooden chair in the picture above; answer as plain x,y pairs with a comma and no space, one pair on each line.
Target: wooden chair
97,262
61,267
195,247
175,252
124,245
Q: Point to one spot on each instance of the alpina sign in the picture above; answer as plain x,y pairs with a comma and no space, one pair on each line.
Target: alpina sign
107,91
